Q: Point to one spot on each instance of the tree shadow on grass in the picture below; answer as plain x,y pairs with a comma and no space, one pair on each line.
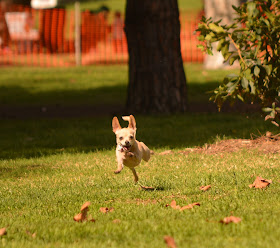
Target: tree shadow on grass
82,123
23,171
37,138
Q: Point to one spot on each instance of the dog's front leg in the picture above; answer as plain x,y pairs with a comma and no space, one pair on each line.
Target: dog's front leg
120,167
134,174
133,157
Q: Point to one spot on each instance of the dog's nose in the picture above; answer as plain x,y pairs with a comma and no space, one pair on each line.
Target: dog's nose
127,142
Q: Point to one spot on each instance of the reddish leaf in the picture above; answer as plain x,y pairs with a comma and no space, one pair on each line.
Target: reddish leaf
166,152
85,206
3,231
170,242
79,218
190,206
106,210
147,188
205,188
275,123
83,215
268,117
260,183
174,205
230,219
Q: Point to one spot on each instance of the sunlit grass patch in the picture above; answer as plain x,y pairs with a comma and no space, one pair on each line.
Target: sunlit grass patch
45,202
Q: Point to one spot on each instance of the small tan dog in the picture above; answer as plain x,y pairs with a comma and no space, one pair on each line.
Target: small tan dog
129,151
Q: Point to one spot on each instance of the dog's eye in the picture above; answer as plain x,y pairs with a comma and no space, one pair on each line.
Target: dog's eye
131,137
120,138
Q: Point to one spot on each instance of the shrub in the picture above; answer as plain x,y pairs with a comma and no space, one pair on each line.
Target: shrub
255,34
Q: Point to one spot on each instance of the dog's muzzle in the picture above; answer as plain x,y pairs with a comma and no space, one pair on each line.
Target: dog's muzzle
124,147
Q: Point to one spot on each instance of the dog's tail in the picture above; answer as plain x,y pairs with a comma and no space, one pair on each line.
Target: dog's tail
126,118
131,121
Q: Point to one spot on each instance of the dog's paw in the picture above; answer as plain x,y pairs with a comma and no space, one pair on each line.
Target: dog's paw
117,171
130,154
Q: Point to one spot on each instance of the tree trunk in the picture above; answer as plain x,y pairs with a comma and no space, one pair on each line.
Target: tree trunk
157,82
219,10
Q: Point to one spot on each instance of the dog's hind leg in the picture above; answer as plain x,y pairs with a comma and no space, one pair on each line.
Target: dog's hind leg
120,167
134,174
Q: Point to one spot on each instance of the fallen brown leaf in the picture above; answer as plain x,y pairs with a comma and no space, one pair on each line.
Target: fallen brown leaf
174,205
83,215
79,218
205,188
230,219
166,152
3,231
190,206
116,221
85,206
33,235
170,242
106,210
260,183
147,188
268,134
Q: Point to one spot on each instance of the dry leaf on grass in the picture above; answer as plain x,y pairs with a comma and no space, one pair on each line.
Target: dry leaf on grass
3,231
260,183
116,221
85,206
83,215
205,188
147,188
230,219
190,206
166,152
33,235
174,205
106,210
170,242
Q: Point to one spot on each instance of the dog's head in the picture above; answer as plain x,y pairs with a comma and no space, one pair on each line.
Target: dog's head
125,136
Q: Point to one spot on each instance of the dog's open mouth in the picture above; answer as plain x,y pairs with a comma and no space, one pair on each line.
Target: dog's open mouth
126,148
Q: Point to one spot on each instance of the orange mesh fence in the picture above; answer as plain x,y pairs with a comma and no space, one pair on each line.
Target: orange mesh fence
32,37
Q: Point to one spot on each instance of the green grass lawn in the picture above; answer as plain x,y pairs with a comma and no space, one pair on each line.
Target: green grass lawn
50,167
91,85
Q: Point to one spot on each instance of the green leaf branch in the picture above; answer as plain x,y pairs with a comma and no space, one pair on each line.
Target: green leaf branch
255,35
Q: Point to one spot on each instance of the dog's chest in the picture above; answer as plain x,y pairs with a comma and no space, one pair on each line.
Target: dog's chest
125,159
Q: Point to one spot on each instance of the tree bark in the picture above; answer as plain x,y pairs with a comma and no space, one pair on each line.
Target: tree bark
219,10
157,82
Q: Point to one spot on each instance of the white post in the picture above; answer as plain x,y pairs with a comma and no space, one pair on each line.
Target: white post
77,33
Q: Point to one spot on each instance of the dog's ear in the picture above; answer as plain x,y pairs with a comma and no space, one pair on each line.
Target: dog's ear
116,125
132,122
